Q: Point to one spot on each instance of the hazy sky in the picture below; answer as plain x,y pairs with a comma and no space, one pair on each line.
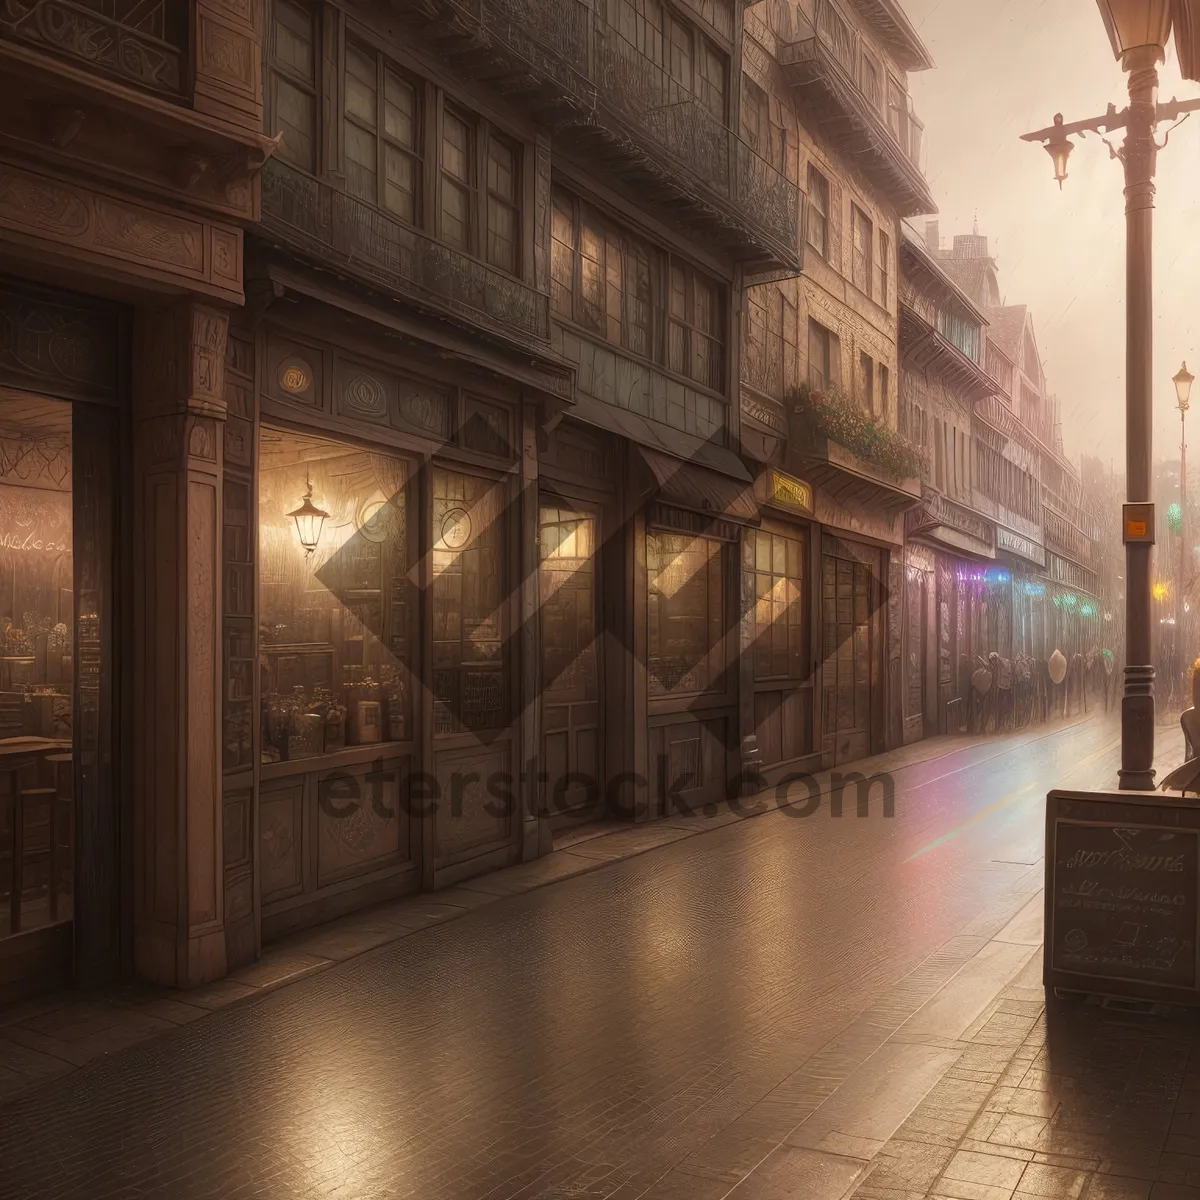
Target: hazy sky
1005,67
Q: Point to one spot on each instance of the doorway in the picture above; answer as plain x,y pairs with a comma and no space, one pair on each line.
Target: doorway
851,592
572,733
58,854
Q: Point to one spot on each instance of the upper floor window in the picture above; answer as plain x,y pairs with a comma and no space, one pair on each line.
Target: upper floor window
824,357
382,134
689,61
863,233
871,85
634,295
292,82
866,382
960,330
405,147
885,257
818,211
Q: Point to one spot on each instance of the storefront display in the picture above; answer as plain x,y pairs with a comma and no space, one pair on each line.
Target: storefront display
336,596
37,664
774,565
686,613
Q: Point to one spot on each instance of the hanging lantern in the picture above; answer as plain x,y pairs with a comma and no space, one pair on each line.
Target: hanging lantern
309,521
1175,518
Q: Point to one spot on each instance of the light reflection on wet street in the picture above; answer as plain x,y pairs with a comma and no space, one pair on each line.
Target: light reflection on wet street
580,1040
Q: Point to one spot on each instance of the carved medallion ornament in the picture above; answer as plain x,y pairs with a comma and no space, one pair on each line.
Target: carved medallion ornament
425,407
366,395
295,376
456,529
56,346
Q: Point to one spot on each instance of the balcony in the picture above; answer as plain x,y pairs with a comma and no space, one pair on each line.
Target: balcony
951,526
139,42
854,106
609,102
313,218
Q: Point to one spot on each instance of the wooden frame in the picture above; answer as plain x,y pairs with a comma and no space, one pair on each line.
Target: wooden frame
1138,940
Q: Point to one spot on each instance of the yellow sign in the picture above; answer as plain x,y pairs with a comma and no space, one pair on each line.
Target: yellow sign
790,492
1135,529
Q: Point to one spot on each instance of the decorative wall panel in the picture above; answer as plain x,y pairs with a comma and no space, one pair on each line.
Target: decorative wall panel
135,239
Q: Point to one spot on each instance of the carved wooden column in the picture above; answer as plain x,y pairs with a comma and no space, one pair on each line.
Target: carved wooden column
179,410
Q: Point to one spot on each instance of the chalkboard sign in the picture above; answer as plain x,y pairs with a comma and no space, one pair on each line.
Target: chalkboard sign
1122,878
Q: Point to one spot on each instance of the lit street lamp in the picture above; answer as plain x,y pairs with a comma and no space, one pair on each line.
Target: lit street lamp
1138,30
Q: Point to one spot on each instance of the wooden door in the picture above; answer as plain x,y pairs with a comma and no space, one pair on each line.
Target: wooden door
568,537
915,651
849,600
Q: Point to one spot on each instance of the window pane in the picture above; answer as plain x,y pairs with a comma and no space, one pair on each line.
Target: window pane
401,181
337,641
294,40
639,299
591,265
684,610
399,110
361,172
468,614
456,214
502,236
679,50
713,74
502,170
562,255
362,91
456,147
295,115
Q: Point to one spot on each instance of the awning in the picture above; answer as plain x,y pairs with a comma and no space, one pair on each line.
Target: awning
686,485
654,436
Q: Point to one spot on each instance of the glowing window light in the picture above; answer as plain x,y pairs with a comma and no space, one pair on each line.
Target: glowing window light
1160,590
1175,518
1035,589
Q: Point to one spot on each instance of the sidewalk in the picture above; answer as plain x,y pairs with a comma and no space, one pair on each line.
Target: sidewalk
52,1035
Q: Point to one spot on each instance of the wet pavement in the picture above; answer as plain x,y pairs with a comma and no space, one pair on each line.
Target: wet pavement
755,1012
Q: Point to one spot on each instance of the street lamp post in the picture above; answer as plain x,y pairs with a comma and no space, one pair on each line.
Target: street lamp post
1183,381
1138,30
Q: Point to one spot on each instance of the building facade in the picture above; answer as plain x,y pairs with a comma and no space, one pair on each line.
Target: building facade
374,458
826,84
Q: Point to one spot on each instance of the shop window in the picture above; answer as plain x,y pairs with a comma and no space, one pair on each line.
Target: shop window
336,598
382,134
776,563
686,613
39,637
292,80
469,681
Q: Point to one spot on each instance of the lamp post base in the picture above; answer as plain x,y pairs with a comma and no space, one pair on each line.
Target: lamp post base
1137,731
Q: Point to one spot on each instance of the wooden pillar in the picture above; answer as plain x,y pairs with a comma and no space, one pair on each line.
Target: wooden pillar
534,830
179,412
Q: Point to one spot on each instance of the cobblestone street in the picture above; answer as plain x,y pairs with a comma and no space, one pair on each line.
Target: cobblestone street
757,1010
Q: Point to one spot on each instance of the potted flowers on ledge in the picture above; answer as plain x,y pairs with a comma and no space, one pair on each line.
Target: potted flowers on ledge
833,415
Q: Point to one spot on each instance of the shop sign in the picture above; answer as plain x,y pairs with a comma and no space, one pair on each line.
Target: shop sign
789,492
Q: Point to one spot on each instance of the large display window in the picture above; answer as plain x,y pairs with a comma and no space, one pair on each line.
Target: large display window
686,613
469,624
43,644
337,596
774,565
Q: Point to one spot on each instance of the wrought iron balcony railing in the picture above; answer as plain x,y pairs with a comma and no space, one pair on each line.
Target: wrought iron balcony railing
620,105
831,63
311,216
141,42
